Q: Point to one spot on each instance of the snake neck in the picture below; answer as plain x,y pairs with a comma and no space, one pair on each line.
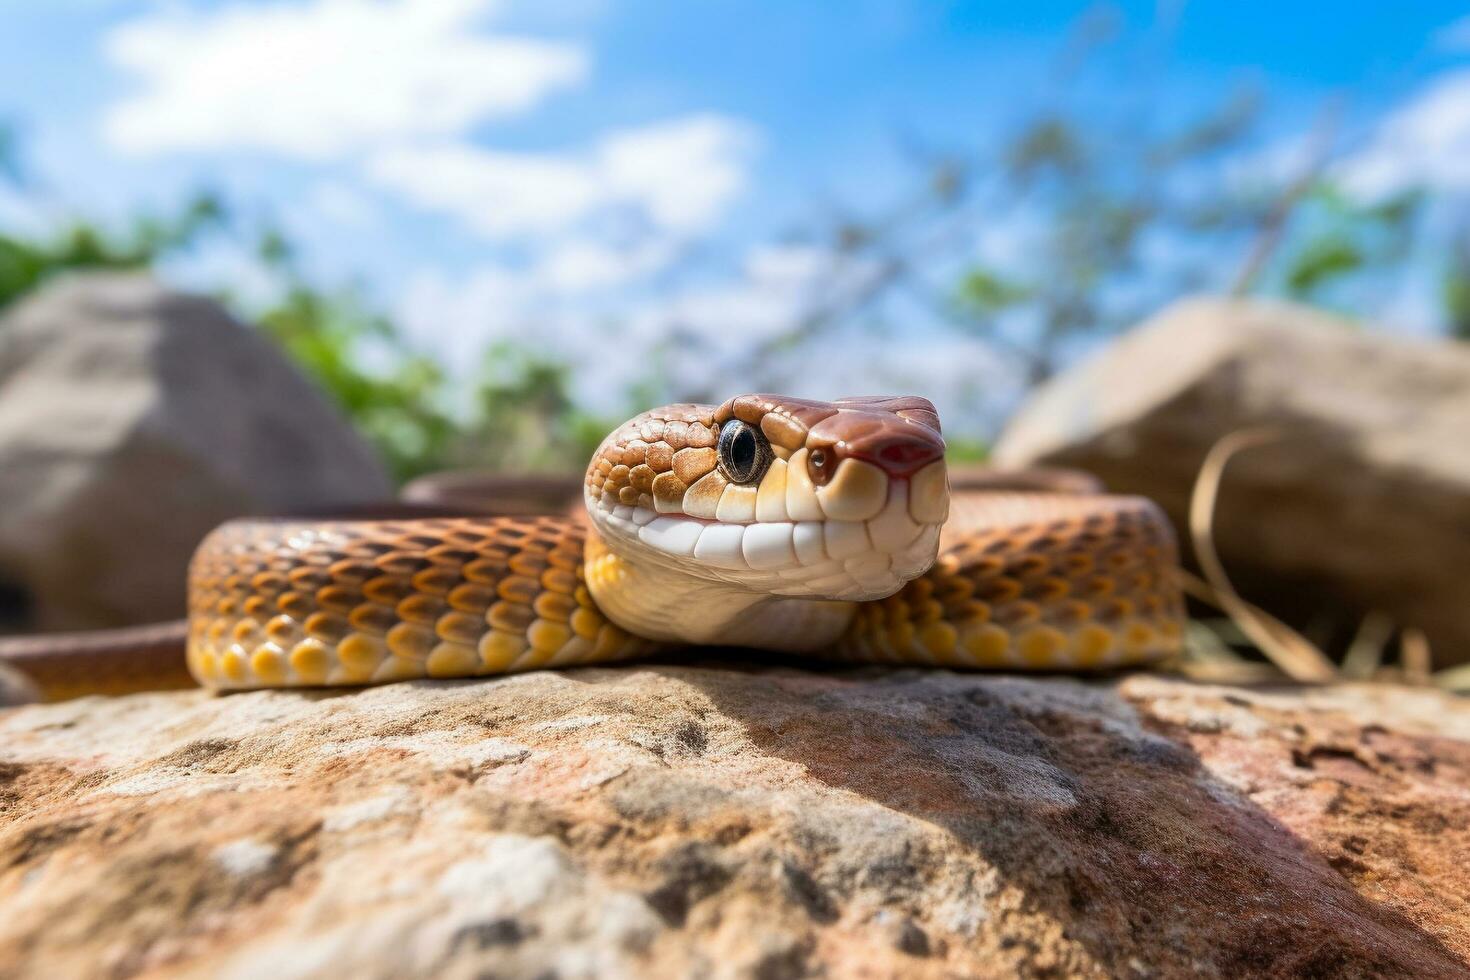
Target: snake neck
657,602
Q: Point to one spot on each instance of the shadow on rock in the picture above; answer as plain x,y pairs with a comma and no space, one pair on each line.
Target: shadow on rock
1114,831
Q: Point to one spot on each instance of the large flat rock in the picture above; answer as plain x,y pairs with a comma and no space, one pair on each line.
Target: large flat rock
739,821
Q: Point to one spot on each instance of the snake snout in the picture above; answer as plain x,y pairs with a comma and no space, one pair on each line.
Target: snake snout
899,449
898,443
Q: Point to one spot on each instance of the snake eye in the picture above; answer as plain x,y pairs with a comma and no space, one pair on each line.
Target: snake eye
745,454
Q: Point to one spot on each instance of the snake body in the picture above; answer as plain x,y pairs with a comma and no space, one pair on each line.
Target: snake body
819,528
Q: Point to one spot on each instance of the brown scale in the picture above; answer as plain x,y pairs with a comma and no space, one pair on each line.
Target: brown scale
276,602
1039,581
1094,590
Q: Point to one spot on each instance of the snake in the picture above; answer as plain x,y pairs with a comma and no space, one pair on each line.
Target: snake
817,529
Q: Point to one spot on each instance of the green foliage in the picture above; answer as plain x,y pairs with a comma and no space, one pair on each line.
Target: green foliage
527,418
521,416
1321,260
1089,214
26,263
1096,198
397,409
1047,146
1455,290
1093,194
983,291
1344,238
965,449
1210,133
1120,207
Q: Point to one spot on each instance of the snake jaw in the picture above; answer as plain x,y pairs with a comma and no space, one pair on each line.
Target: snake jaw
832,558
929,494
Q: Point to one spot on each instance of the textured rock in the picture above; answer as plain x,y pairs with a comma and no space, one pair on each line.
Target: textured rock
1365,505
132,420
715,821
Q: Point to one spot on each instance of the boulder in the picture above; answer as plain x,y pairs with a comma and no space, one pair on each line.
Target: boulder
1363,504
719,820
134,419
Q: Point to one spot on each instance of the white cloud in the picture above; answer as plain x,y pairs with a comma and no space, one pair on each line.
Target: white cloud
225,265
20,213
497,193
776,287
343,204
1426,143
578,266
712,332
457,319
608,339
677,175
391,89
1263,168
323,78
699,339
684,171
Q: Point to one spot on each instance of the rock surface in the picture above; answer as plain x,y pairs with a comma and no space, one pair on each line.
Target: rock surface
1364,505
133,420
713,820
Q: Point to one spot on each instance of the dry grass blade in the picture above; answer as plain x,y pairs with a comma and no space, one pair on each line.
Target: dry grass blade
1297,657
1198,588
1209,658
1203,642
1454,679
1415,655
1365,654
1227,672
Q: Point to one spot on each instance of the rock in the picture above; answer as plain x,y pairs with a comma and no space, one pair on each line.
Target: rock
1364,506
726,821
133,420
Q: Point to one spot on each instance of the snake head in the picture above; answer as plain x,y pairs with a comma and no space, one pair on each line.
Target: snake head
778,495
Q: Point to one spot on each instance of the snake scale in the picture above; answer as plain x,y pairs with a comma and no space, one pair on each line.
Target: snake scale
815,528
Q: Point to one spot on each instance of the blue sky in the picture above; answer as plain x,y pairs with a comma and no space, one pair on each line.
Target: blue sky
496,169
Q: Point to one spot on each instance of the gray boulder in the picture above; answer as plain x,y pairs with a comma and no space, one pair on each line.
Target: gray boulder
1365,504
132,420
